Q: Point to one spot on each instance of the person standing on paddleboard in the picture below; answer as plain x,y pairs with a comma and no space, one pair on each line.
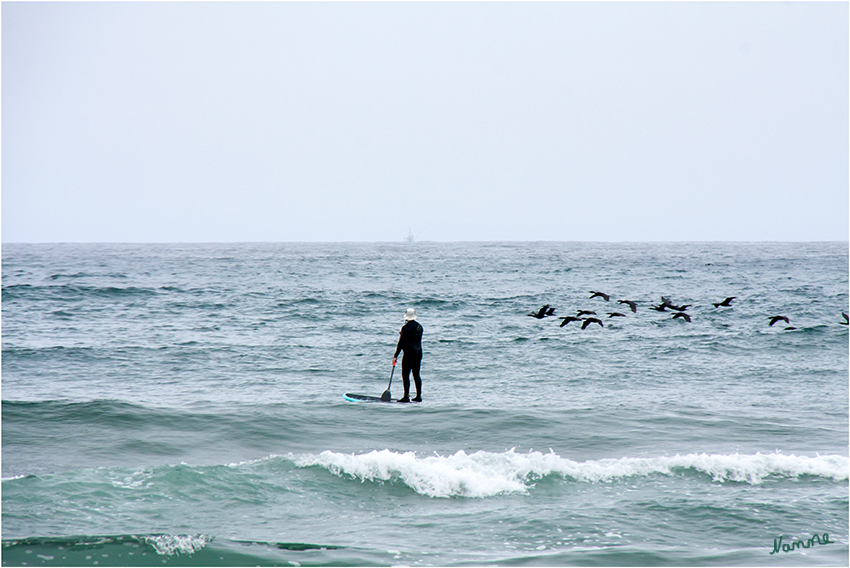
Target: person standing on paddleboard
410,341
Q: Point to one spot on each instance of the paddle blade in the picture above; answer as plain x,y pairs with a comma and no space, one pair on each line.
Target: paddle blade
386,396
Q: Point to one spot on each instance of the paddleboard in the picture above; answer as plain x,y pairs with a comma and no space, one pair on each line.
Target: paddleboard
365,398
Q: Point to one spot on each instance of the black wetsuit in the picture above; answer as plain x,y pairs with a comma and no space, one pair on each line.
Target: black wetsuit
410,341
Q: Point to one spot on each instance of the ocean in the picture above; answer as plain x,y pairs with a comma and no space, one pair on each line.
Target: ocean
182,405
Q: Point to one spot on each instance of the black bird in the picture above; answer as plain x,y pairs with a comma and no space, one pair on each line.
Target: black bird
567,320
682,315
588,321
846,319
541,313
665,302
775,319
630,303
602,295
550,312
725,303
585,313
661,308
616,315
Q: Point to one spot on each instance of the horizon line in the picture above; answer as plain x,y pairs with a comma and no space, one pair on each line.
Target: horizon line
406,242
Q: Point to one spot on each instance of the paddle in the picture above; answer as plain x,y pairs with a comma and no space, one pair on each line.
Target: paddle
386,396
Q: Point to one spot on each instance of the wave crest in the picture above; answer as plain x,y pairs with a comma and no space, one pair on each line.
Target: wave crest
170,544
485,474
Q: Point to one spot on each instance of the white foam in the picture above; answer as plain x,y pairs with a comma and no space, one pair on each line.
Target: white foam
479,475
170,544
14,477
483,474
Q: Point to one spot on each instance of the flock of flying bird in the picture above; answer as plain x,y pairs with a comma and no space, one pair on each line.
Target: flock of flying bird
678,312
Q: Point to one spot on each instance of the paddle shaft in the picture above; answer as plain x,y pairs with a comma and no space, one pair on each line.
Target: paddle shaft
387,396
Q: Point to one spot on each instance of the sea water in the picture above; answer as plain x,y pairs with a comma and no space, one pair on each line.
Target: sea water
182,405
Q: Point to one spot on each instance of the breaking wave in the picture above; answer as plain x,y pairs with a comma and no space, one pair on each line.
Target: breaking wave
485,474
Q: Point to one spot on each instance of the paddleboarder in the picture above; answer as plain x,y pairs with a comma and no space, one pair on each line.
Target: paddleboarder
410,341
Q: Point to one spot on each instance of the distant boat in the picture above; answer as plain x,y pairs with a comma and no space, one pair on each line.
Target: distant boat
409,236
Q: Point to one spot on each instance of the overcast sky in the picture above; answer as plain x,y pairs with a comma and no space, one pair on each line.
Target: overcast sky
222,122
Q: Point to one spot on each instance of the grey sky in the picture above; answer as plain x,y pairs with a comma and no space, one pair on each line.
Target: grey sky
196,122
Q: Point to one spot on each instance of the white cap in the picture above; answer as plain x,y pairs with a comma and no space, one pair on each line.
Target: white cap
410,314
